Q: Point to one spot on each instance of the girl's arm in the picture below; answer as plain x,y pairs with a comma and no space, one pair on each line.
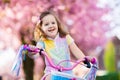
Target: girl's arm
76,51
37,56
33,55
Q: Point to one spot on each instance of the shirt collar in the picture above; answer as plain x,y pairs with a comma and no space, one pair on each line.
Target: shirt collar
54,38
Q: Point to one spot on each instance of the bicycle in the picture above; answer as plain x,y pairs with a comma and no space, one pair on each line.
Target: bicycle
58,74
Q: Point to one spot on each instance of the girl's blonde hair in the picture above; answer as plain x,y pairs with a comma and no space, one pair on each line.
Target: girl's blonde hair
38,33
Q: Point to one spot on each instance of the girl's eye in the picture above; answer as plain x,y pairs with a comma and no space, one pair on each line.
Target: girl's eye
46,24
53,22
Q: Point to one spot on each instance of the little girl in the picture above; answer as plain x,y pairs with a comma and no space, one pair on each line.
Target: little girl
53,37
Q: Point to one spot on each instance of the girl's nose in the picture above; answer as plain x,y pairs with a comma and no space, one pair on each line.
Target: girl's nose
51,25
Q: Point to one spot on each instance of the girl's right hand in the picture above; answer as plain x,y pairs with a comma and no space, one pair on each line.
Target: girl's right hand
31,54
32,47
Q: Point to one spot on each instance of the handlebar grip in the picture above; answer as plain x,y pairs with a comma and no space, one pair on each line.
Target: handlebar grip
87,63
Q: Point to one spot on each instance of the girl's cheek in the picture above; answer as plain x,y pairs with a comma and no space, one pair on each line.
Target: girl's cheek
44,29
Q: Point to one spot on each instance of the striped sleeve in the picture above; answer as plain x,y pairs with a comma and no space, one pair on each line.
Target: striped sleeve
40,44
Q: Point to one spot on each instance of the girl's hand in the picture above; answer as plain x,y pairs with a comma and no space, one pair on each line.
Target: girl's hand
91,59
31,54
32,47
33,51
87,60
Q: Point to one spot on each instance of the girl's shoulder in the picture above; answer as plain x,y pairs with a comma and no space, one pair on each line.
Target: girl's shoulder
40,43
69,39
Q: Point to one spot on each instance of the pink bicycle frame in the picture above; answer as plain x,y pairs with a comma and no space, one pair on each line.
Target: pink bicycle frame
16,67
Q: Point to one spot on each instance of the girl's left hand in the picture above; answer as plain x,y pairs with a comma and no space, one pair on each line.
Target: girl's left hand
89,58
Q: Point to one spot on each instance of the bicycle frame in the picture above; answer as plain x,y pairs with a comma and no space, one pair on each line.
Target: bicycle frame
16,67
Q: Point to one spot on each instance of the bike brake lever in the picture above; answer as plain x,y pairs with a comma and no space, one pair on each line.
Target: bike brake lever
87,63
40,52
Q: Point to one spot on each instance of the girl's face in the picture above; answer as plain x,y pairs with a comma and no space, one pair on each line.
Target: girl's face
49,26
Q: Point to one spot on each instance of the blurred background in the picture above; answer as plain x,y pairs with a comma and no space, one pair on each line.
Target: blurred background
94,25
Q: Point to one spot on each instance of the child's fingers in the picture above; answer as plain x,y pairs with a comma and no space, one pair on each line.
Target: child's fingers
89,58
32,46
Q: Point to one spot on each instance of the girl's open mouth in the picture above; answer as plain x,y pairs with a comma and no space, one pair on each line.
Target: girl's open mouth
51,30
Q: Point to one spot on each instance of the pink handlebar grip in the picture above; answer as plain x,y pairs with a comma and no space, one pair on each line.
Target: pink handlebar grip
94,61
27,47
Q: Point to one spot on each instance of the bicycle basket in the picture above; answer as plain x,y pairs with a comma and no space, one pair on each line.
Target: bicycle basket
63,76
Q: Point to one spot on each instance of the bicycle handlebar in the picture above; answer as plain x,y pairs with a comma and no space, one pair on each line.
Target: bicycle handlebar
58,67
18,61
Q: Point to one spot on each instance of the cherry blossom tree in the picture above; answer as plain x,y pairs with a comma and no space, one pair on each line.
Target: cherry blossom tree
83,18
